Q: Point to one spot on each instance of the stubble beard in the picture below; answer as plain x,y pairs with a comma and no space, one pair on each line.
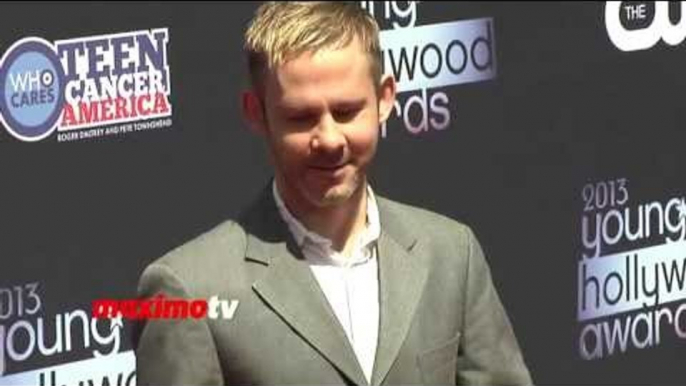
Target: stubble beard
337,195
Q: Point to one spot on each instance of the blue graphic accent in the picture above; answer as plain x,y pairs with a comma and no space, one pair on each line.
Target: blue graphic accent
32,85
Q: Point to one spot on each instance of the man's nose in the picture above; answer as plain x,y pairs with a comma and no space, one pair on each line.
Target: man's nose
328,138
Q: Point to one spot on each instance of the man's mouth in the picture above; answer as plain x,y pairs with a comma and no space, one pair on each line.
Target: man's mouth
328,168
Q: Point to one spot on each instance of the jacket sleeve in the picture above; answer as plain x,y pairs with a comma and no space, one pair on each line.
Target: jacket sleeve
488,353
173,351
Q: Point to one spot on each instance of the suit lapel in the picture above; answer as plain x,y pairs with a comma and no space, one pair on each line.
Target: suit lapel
402,276
290,289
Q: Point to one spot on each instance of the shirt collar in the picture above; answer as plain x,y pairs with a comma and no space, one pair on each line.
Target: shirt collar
304,236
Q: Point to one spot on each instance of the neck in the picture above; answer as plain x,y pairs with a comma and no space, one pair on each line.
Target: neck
339,223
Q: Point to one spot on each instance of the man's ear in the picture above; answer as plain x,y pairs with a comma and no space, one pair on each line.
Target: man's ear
387,90
253,111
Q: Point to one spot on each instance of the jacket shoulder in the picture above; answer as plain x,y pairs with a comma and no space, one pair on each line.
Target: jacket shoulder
422,221
203,261
224,240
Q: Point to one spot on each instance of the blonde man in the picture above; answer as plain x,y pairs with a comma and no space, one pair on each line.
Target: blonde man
334,285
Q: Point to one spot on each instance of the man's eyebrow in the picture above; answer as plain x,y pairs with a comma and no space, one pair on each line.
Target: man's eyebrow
349,103
294,107
293,102
304,106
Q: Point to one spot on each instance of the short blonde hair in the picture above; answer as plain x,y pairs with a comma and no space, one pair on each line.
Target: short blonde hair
281,31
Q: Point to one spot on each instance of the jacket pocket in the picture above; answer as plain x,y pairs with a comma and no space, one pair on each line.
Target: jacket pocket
438,365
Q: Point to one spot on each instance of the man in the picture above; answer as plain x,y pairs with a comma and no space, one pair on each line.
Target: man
333,284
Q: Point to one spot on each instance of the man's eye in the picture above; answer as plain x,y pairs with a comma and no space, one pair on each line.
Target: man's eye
299,118
344,115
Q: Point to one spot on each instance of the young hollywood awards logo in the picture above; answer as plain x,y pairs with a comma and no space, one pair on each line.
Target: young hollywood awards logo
631,274
427,59
86,87
29,335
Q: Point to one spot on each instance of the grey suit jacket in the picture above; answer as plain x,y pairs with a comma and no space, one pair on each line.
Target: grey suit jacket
441,321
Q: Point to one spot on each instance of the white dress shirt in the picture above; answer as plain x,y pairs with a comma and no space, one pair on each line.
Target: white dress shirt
350,283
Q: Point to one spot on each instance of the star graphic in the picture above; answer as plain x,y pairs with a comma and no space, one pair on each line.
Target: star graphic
682,208
116,322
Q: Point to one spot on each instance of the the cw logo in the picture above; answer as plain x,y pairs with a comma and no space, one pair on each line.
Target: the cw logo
640,39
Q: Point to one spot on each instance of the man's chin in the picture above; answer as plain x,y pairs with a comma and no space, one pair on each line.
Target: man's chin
334,196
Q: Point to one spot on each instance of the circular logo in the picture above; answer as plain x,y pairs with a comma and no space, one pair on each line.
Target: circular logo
31,89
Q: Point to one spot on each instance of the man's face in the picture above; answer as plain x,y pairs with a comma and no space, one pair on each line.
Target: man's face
321,123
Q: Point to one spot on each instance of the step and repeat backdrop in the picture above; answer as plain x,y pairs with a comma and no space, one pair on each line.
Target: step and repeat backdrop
555,130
